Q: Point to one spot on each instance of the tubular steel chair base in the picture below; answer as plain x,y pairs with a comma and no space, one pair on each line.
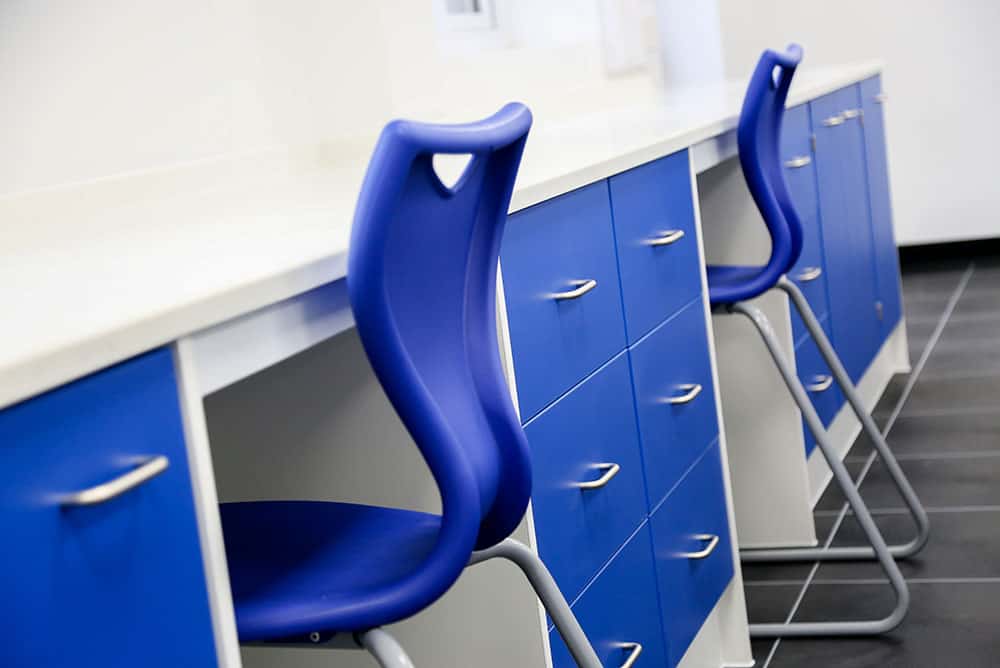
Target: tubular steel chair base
384,649
899,478
548,593
843,478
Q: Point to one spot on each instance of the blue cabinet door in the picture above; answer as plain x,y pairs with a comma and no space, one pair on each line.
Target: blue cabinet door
816,377
674,398
693,551
576,440
809,272
554,248
657,245
620,610
886,253
119,583
847,234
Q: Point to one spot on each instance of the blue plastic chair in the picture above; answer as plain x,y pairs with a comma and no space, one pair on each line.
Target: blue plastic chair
758,138
422,282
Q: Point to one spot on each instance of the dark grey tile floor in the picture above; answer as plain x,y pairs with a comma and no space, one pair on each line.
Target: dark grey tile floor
946,436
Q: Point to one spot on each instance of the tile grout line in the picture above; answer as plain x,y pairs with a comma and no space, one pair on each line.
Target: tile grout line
904,395
875,581
932,456
899,510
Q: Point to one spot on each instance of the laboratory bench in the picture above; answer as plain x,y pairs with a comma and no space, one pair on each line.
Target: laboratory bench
182,336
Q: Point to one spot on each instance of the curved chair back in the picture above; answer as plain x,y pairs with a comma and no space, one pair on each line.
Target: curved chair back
759,137
422,276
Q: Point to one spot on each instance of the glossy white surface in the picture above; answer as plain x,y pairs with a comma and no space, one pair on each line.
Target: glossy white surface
94,273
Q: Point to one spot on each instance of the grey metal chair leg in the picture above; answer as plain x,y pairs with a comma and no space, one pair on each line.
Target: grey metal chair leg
889,460
843,478
548,593
384,649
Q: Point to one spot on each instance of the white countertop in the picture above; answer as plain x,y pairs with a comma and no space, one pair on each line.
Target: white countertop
93,273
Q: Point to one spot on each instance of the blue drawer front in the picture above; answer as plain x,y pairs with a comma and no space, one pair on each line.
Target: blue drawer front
886,253
546,249
620,607
690,588
800,174
579,529
660,271
815,375
115,584
665,364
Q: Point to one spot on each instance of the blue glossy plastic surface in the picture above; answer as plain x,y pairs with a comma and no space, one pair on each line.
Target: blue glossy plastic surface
813,369
665,364
620,607
758,135
546,247
422,283
579,529
796,142
649,201
847,233
120,583
886,253
690,588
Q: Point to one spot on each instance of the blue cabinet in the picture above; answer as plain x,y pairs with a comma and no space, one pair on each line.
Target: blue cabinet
693,551
561,247
816,377
809,272
119,583
848,243
620,611
656,240
574,441
674,398
887,256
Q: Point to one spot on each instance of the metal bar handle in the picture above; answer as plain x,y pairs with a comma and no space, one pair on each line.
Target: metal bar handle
713,541
636,650
691,390
610,471
881,98
666,238
851,113
834,121
798,161
809,274
821,383
109,490
582,288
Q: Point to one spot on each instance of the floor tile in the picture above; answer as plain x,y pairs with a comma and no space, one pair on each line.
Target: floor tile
970,481
949,626
760,649
961,545
833,498
952,393
770,603
913,435
980,302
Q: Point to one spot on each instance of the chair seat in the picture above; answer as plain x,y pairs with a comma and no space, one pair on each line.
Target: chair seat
728,284
302,566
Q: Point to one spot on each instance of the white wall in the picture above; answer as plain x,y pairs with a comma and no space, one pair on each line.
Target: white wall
94,88
941,60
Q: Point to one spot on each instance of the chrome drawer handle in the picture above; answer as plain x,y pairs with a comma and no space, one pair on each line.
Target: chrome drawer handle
691,390
636,650
834,121
881,98
809,274
610,471
109,490
820,383
851,113
798,161
666,238
712,539
582,288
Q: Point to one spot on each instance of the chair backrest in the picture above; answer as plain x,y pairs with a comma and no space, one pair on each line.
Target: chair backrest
759,139
422,273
